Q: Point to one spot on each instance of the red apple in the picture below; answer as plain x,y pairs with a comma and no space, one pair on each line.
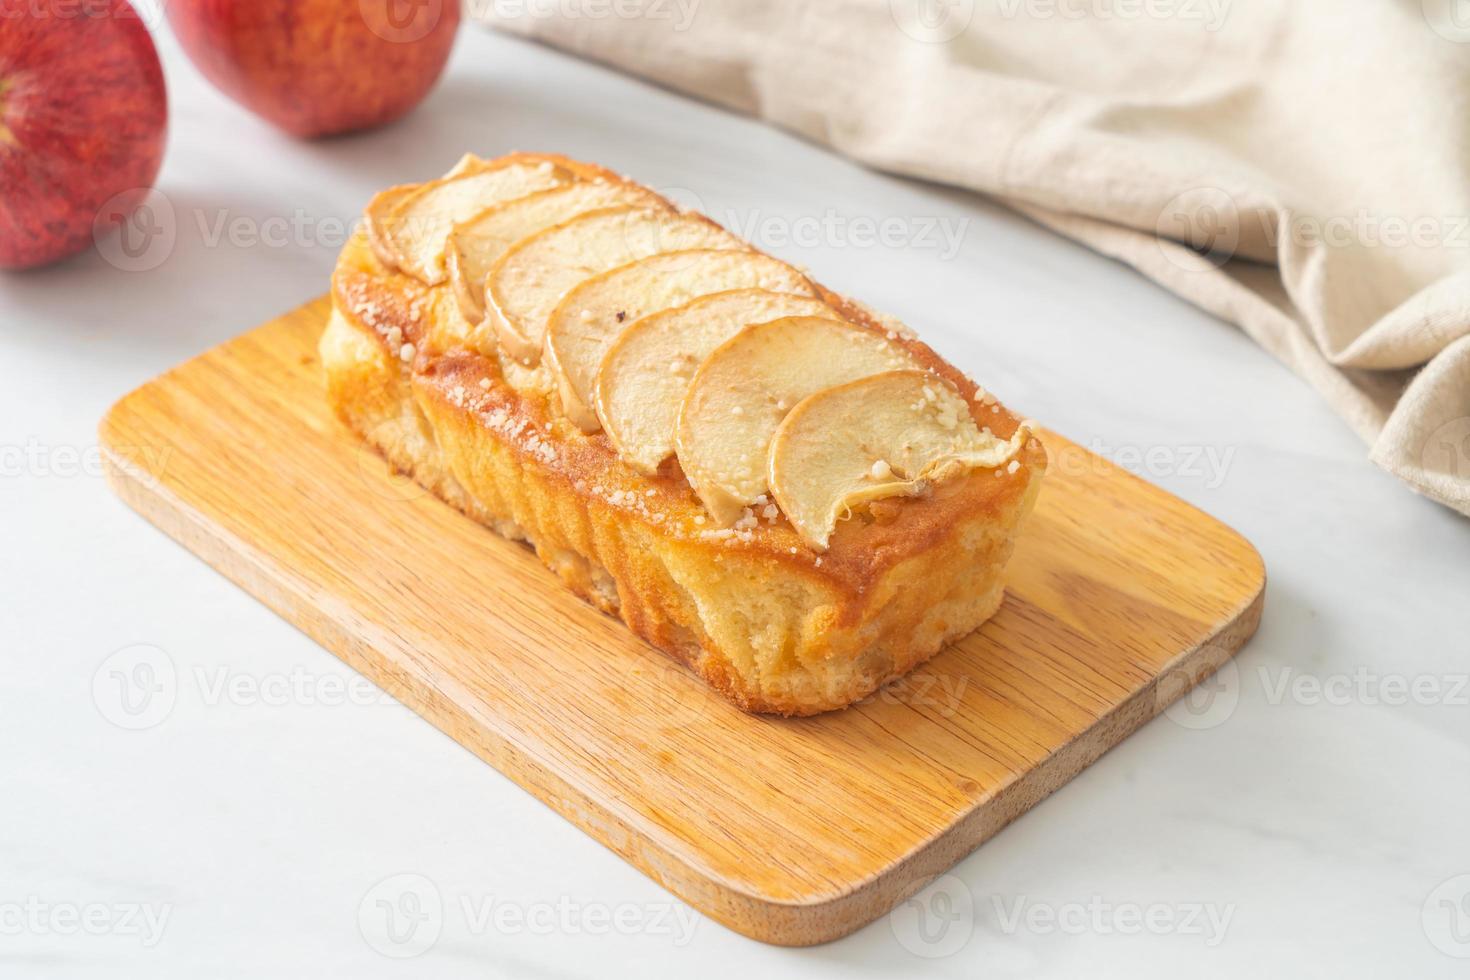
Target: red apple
83,118
316,67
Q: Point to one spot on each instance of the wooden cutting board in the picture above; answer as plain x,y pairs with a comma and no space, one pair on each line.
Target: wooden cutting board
794,832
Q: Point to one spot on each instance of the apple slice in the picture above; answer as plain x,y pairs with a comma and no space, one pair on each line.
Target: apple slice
646,371
592,315
377,219
475,245
527,283
747,385
377,216
468,164
416,225
886,435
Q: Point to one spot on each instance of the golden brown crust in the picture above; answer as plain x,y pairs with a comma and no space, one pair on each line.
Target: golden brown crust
765,619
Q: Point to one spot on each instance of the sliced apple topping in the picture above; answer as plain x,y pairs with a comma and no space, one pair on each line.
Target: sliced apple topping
592,315
887,435
747,385
527,283
645,372
377,220
415,226
468,164
477,244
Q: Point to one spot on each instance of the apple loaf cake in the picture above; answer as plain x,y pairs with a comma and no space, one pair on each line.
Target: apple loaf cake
777,486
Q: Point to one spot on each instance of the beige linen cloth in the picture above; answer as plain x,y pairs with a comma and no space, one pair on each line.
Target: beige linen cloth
1312,156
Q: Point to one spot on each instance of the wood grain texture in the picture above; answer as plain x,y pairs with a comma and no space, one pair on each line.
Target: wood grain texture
795,832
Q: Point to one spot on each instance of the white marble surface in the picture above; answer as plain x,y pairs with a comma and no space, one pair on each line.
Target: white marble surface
1310,831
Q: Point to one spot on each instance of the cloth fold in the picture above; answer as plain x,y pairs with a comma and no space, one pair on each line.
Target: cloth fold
1300,168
